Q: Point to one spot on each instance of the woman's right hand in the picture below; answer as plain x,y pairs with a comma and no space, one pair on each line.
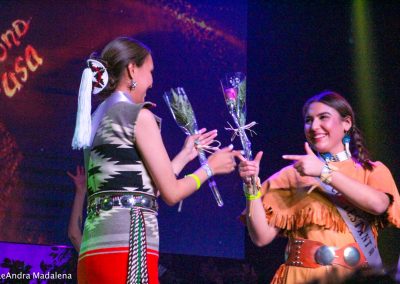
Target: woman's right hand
249,169
222,161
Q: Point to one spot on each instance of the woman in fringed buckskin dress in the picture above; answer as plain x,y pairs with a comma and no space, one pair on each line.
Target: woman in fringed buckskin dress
304,201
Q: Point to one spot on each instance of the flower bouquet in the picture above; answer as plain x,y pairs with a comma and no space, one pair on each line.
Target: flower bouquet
183,114
234,90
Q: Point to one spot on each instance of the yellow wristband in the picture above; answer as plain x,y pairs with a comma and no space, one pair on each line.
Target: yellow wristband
252,197
196,179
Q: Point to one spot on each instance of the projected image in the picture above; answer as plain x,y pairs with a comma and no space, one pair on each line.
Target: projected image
43,50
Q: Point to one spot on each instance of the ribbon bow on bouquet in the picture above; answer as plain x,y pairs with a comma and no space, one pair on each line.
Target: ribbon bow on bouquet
183,114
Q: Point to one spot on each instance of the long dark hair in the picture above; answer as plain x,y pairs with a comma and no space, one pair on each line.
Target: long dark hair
116,56
358,149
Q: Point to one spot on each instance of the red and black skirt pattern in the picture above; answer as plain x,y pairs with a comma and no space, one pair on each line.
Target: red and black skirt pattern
116,251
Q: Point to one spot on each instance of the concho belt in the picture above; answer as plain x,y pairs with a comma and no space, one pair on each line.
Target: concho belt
313,254
107,201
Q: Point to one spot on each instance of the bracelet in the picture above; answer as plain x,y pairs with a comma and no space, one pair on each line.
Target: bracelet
208,170
252,197
196,179
326,173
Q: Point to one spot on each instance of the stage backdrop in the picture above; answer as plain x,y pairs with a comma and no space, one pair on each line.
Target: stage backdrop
43,49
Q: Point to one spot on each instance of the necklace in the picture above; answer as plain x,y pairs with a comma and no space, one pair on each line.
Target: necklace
339,157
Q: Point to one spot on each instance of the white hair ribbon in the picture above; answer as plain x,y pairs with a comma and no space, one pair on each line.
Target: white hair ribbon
94,80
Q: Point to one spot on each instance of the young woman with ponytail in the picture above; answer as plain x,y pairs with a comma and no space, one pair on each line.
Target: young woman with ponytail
330,202
128,167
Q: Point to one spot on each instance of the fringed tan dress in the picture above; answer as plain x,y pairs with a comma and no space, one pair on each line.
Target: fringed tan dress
313,216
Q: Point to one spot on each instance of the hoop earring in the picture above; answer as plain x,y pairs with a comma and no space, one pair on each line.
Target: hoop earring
132,85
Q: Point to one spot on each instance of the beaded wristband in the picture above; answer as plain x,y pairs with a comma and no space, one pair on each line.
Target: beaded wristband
196,179
208,170
326,173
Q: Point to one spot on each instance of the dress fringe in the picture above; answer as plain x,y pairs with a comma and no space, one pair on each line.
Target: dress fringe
316,214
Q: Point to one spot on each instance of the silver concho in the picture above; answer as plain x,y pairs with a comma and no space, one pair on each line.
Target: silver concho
106,204
127,201
325,255
145,201
351,256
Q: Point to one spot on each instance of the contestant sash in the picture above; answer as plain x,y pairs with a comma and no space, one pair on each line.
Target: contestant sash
358,226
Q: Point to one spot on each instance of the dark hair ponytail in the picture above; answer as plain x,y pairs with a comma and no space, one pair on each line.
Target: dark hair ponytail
116,56
358,149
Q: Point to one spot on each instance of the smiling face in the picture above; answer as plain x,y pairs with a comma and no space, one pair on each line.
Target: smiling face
324,128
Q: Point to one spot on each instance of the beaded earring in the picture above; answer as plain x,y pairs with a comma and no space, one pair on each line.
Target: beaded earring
346,141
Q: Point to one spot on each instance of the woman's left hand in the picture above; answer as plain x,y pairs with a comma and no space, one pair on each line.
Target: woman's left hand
306,165
79,179
192,142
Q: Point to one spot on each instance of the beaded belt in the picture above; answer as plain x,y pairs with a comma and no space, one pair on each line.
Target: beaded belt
107,201
313,254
